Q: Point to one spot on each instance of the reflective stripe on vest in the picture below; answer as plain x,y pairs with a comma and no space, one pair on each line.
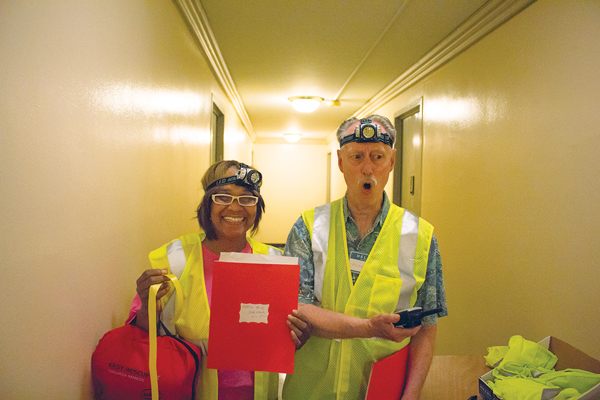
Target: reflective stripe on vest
406,255
320,238
175,256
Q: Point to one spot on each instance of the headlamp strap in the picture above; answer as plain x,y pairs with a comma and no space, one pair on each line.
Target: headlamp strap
246,176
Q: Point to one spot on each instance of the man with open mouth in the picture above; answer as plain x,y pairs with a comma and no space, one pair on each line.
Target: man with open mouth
362,261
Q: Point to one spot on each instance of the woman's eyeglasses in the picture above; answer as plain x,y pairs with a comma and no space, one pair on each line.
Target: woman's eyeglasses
227,199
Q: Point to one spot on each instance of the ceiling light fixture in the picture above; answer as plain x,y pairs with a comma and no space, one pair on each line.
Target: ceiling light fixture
292,137
306,103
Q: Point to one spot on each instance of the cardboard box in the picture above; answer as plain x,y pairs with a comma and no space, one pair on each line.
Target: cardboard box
568,357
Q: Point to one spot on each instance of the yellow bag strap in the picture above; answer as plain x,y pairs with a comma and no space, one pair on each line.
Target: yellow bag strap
152,327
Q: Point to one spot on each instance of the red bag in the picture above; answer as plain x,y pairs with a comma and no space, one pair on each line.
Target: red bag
120,366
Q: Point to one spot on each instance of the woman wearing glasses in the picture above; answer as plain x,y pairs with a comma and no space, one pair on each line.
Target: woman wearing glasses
231,206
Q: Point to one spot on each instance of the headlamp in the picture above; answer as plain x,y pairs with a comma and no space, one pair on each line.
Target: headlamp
367,132
246,176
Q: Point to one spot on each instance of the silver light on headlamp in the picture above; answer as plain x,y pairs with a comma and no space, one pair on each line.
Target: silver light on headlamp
367,132
246,177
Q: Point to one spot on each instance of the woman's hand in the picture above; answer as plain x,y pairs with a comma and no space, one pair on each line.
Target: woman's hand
148,278
151,277
300,328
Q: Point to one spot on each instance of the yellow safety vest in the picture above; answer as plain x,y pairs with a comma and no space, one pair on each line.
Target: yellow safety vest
389,280
183,258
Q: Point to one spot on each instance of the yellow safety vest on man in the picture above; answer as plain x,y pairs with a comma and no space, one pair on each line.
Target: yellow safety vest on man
389,280
193,325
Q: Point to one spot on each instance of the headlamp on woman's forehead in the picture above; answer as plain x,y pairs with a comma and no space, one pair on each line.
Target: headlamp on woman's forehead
246,177
367,132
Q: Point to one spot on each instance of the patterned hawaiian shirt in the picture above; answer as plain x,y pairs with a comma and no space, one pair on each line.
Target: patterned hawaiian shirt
431,295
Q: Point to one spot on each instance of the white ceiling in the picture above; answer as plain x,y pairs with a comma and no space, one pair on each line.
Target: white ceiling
358,52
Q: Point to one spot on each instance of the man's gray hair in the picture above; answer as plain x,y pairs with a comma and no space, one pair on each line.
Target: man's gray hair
380,119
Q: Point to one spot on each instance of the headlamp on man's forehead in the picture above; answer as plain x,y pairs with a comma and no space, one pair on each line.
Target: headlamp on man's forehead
246,177
367,132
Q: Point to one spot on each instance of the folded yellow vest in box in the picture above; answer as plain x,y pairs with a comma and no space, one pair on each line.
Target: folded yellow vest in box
525,372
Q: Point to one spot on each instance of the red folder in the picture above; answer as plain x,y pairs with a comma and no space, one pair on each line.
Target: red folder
249,308
388,377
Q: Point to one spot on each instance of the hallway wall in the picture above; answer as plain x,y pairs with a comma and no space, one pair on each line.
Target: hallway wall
511,178
294,181
104,135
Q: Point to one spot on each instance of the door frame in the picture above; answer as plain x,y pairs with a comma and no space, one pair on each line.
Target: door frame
407,111
217,133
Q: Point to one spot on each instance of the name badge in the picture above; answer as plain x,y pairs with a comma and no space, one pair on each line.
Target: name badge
357,260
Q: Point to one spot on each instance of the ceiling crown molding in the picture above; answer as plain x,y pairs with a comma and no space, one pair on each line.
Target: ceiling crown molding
485,20
194,16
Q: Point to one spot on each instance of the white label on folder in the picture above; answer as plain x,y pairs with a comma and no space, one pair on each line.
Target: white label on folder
254,313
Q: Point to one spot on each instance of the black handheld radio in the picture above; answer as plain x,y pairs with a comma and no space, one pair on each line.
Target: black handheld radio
411,317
